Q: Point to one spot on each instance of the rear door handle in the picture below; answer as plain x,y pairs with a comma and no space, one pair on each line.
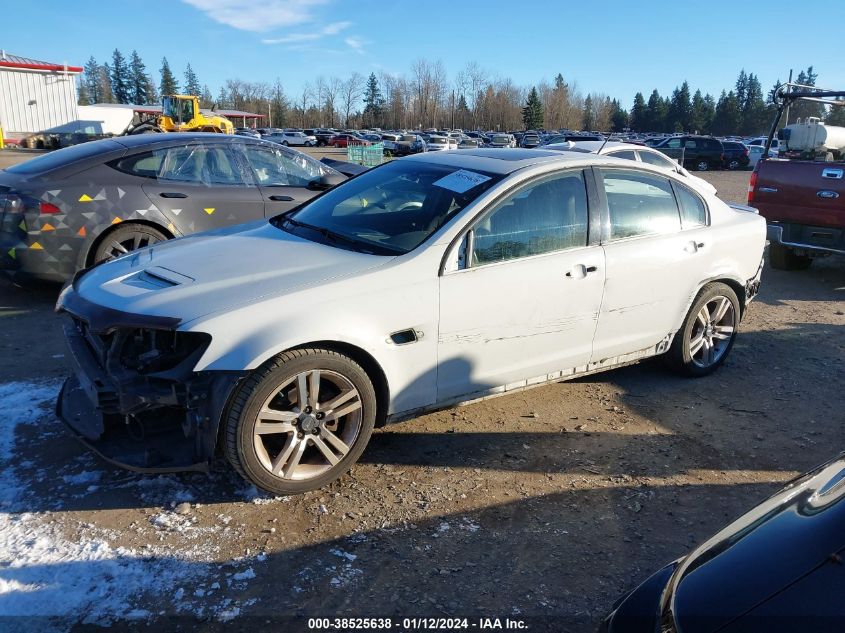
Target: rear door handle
579,271
281,198
173,194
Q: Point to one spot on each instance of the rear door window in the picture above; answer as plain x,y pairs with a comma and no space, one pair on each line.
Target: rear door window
693,209
639,204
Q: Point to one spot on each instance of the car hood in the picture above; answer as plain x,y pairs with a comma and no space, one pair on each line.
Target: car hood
208,272
787,540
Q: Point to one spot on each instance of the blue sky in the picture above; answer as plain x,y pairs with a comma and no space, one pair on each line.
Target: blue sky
611,46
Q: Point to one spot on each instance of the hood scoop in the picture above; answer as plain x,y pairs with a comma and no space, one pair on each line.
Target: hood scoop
158,277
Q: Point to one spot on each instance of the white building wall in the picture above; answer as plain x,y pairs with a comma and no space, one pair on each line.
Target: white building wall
33,101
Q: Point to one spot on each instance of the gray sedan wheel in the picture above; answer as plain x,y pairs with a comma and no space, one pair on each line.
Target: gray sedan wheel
126,238
301,421
708,333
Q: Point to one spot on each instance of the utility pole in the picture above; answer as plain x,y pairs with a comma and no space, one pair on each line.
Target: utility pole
453,109
788,90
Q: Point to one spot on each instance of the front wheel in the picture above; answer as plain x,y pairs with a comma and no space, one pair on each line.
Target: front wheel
285,143
301,421
708,333
702,165
734,164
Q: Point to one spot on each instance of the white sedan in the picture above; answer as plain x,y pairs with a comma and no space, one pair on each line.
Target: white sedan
429,281
630,151
292,137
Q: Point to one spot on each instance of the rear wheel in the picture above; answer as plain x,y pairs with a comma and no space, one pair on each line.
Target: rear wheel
285,143
126,238
301,421
784,258
734,164
708,333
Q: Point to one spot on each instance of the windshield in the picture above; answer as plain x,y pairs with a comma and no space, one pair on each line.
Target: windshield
409,139
389,210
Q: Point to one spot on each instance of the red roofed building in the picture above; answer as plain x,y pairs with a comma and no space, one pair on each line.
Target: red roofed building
35,95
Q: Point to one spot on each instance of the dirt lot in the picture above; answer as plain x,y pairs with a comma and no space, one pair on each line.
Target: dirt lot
543,505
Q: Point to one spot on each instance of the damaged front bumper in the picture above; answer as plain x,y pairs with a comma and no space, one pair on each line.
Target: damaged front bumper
133,397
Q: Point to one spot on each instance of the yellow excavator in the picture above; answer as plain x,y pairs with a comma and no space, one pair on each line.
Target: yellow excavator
181,113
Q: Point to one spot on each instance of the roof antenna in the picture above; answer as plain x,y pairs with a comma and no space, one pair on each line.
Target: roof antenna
598,153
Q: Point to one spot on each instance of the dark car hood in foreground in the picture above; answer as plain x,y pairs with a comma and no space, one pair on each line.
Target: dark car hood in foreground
782,560
208,272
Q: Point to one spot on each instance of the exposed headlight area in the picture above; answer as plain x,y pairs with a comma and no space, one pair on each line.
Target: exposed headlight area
136,399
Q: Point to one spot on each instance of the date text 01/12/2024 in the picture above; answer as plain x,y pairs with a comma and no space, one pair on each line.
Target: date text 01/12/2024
415,624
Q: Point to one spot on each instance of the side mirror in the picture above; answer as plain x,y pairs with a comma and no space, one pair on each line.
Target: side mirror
326,181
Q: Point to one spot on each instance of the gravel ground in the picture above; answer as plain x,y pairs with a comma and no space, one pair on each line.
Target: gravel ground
545,504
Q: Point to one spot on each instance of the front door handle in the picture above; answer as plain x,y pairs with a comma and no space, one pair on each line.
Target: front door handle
173,194
693,246
579,271
281,198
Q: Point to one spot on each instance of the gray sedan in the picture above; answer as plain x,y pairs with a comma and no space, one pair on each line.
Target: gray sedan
75,207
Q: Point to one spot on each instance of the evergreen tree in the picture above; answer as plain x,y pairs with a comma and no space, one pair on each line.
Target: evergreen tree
222,99
138,82
373,102
728,114
532,113
637,120
206,98
105,84
192,83
167,85
152,92
120,78
703,111
91,75
741,88
679,117
618,116
804,109
656,111
279,105
82,95
836,114
754,114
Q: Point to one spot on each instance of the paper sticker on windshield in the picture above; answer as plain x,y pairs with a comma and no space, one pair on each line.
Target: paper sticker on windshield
461,181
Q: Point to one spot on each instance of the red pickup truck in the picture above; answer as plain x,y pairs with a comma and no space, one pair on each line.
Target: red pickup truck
801,193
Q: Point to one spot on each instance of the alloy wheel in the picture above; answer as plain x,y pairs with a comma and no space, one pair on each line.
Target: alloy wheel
714,327
308,425
127,242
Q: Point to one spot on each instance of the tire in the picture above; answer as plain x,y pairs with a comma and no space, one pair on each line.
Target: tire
702,164
784,258
699,349
272,459
146,129
125,239
734,164
285,143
